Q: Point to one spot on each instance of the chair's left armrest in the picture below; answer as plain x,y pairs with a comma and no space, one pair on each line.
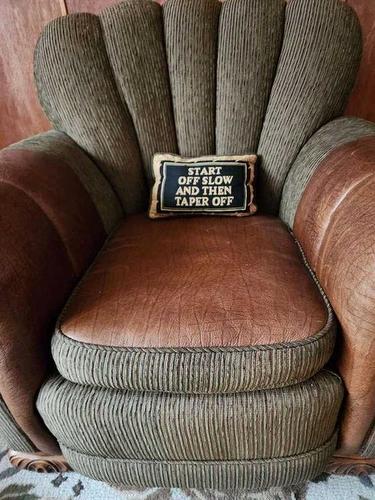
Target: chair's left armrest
56,210
329,201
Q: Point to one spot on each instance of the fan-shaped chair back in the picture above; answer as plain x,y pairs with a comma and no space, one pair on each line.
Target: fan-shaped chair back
197,77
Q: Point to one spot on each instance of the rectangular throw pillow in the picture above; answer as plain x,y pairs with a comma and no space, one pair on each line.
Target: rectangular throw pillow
208,185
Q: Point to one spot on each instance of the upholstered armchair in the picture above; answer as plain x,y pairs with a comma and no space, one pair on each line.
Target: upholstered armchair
192,352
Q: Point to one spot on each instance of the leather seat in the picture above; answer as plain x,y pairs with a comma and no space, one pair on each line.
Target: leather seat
196,305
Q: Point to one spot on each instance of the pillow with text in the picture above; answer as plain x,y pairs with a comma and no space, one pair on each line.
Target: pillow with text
208,185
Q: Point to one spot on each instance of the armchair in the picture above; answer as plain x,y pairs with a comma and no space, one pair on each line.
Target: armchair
192,352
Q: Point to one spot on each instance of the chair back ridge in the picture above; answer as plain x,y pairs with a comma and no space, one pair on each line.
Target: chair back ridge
197,77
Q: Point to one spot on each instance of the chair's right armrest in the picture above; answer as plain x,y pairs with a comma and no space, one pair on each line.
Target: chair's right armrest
329,198
56,209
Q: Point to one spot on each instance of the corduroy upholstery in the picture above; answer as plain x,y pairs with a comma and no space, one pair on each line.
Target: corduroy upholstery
166,425
254,475
183,429
71,93
193,77
141,75
318,42
317,64
368,448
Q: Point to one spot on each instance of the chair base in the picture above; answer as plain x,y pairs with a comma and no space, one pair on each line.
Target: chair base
38,462
251,475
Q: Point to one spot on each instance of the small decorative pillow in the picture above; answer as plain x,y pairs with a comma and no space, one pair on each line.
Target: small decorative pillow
216,185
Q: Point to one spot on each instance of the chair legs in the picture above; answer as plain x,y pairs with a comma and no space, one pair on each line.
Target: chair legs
41,462
353,466
38,462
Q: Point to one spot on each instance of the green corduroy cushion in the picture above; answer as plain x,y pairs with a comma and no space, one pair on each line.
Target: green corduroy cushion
183,431
158,426
254,475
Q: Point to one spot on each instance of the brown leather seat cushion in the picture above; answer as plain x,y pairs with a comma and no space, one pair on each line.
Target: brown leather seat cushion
196,282
196,305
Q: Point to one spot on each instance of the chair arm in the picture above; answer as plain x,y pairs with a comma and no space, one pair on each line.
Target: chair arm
56,209
335,224
328,138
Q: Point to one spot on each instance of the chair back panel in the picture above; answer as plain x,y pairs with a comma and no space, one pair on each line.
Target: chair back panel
318,64
79,95
191,30
197,77
133,33
250,39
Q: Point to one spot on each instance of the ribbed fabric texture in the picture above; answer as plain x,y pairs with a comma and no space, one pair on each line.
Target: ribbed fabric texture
191,42
221,66
59,145
316,71
159,426
250,39
322,143
11,436
133,33
257,475
211,370
368,448
79,95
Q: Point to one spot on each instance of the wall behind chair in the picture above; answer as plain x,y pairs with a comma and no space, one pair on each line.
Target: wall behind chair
21,21
362,101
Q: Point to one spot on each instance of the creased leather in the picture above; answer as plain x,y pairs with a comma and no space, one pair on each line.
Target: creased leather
50,232
335,224
196,282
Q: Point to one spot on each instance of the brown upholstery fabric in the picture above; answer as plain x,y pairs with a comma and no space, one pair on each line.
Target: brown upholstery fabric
58,147
50,231
335,223
332,135
196,282
36,277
